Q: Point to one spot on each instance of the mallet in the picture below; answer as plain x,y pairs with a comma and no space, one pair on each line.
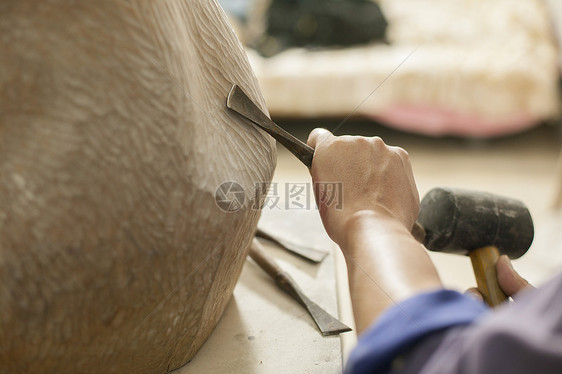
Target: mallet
480,225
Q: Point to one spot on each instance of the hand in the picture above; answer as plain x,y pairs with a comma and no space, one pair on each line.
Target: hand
377,179
510,281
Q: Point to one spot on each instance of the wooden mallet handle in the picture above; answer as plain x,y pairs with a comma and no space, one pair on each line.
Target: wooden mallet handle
484,262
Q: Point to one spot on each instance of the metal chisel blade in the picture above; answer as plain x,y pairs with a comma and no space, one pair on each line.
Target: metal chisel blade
311,254
240,103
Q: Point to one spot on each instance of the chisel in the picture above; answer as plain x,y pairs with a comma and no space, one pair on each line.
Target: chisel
311,254
327,324
239,102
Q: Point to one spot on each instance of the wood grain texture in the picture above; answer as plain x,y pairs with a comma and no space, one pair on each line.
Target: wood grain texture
113,140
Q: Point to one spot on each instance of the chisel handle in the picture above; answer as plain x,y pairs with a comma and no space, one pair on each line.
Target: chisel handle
283,280
258,254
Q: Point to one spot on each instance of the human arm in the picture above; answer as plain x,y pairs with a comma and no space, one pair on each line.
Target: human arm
386,266
519,337
380,204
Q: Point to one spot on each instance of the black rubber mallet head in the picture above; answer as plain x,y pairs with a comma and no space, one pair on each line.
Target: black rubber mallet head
480,225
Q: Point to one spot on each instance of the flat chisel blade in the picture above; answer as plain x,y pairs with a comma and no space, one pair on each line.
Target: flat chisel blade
240,103
327,324
311,254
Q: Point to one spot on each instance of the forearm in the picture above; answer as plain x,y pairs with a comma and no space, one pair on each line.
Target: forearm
385,265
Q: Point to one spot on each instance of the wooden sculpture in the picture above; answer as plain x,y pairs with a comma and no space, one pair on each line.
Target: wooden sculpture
114,136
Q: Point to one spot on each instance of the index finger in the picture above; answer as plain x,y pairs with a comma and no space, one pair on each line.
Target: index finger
317,136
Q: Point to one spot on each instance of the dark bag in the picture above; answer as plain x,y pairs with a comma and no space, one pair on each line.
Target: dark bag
321,23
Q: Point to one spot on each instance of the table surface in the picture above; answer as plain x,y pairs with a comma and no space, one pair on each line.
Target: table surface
263,330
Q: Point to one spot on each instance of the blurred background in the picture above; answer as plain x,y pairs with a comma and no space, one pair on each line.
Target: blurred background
471,88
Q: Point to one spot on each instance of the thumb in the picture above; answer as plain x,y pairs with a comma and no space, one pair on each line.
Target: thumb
510,281
473,292
318,136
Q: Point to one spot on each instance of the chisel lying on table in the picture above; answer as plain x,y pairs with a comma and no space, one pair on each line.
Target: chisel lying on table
327,324
311,254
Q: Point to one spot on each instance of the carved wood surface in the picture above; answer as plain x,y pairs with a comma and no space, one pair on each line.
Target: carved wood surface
113,140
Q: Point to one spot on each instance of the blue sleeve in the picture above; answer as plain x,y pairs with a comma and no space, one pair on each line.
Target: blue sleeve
406,323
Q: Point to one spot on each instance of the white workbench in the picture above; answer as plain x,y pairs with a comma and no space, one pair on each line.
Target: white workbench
263,330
